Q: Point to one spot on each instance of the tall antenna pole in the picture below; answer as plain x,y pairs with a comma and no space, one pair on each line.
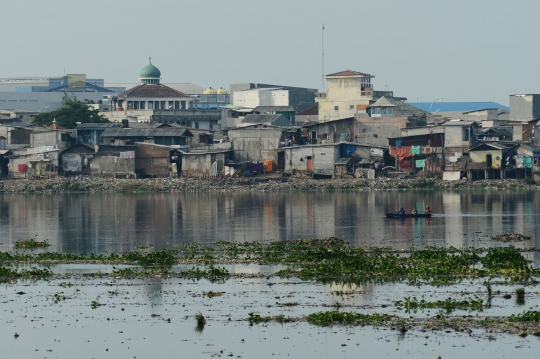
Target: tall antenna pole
323,87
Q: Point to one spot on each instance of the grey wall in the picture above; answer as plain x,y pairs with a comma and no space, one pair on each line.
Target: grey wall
524,107
253,144
112,164
35,101
300,90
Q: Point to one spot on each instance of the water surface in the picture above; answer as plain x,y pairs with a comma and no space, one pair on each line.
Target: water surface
101,223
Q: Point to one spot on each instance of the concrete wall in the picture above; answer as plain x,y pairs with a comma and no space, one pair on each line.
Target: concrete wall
255,144
297,92
47,138
131,115
376,131
343,93
523,132
74,162
451,175
453,136
197,164
524,107
334,129
108,165
258,97
323,158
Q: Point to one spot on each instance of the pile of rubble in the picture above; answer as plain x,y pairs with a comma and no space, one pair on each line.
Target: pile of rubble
88,184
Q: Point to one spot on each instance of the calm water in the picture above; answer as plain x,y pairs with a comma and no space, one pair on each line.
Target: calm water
153,317
121,222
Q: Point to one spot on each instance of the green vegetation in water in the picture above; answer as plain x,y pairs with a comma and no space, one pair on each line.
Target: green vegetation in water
255,318
201,322
31,243
161,257
95,304
347,318
520,296
59,297
196,272
449,304
113,292
8,273
320,259
528,316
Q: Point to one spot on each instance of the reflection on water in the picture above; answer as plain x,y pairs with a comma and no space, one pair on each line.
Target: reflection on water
122,222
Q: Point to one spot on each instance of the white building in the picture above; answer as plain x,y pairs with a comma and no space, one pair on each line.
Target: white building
138,103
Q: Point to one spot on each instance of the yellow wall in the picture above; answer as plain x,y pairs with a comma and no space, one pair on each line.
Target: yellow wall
480,156
344,93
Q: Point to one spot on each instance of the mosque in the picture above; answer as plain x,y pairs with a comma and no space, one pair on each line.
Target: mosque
150,94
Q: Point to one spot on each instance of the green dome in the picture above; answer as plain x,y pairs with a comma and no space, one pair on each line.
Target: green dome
150,71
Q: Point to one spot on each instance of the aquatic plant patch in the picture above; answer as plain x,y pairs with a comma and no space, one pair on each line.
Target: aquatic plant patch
449,304
31,243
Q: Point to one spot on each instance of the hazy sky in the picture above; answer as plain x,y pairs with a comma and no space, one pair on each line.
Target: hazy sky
462,50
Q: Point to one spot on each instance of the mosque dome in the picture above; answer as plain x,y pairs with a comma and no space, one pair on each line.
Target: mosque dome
150,72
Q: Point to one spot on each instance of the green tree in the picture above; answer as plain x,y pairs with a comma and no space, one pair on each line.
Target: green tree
71,112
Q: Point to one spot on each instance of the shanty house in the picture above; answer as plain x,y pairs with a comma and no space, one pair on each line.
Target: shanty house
152,160
116,161
76,160
37,162
160,136
489,160
316,160
418,148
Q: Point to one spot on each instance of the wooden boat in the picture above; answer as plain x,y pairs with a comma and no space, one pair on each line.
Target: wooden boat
408,215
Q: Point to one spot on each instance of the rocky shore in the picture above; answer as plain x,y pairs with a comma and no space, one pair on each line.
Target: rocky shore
272,183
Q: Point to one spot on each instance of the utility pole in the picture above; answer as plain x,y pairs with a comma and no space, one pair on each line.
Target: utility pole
323,87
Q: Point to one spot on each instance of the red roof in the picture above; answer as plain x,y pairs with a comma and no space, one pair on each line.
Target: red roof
350,73
54,126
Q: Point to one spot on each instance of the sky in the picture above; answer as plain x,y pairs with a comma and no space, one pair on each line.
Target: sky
459,50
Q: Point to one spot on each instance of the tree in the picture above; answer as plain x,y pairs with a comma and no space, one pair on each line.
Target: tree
71,112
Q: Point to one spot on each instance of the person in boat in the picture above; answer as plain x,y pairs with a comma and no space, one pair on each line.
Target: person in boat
401,211
428,210
414,211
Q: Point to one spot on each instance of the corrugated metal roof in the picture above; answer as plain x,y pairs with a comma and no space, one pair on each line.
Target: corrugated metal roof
498,146
98,125
350,73
457,106
383,102
146,132
274,109
260,118
343,161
